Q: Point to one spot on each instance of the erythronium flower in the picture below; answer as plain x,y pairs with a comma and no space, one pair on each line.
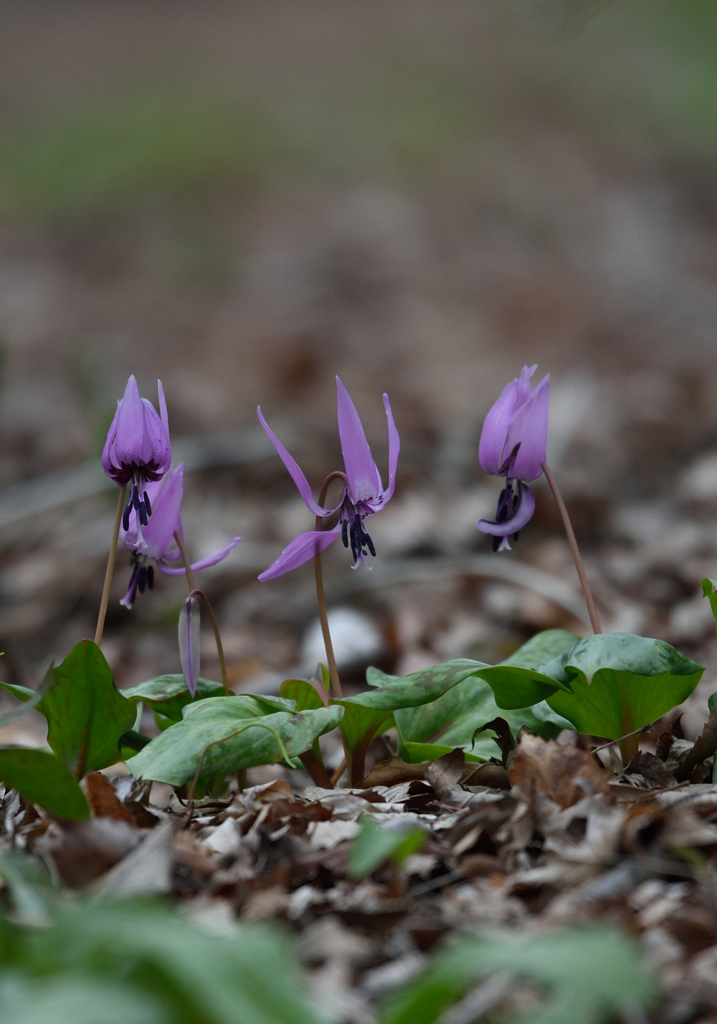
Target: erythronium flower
137,450
362,495
513,444
157,537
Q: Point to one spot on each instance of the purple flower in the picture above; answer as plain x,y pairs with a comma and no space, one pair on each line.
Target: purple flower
513,444
363,494
137,449
156,540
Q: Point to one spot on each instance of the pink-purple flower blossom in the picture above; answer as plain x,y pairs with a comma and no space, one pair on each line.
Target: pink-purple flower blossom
137,450
513,444
155,541
363,493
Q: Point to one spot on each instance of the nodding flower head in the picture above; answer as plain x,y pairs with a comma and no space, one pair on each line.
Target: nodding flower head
513,445
155,542
137,450
363,492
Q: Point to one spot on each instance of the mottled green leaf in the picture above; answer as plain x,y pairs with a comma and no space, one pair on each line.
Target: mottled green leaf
519,682
305,696
167,695
226,734
373,709
619,682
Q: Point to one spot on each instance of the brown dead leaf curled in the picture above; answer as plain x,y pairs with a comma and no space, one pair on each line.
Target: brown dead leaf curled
103,800
565,774
445,774
392,771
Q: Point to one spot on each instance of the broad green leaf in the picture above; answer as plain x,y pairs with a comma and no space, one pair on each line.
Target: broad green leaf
375,677
167,695
709,590
374,845
619,682
42,779
519,682
372,710
226,734
453,719
541,648
86,714
304,694
590,975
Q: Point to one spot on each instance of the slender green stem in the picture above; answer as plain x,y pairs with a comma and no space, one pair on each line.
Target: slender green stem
321,599
110,568
570,534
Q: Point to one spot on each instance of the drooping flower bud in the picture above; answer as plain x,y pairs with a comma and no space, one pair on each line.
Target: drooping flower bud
137,449
189,621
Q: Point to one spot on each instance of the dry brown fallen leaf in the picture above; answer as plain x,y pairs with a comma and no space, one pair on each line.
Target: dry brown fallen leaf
565,774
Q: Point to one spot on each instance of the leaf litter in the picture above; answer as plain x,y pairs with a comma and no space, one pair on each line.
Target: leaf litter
381,885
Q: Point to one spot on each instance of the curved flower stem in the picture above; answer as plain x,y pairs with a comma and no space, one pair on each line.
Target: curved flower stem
321,600
185,559
217,639
110,568
570,534
194,592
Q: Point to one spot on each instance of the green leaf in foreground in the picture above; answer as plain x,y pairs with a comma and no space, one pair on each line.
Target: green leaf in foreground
619,682
40,778
226,734
86,714
590,974
374,845
141,963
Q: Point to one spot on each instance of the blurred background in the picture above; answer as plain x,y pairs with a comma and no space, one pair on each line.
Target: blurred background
246,198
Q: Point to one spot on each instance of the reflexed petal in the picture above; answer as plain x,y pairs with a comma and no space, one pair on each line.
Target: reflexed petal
521,516
163,407
394,446
188,635
495,429
364,477
532,432
203,563
301,550
296,474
